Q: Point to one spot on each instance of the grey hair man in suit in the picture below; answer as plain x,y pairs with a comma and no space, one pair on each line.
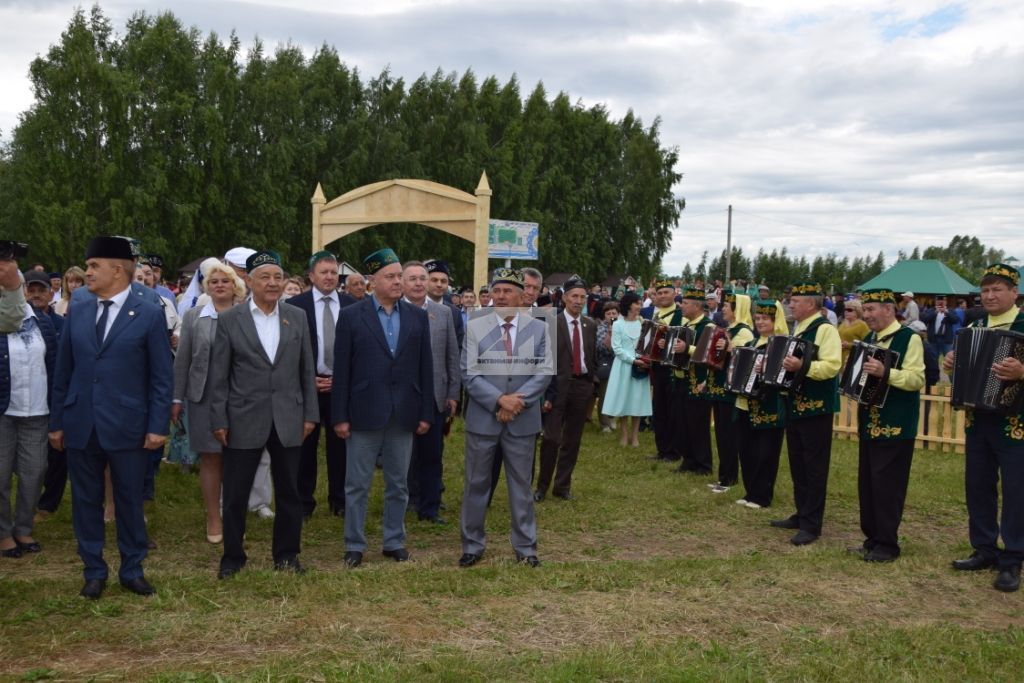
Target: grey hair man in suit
263,381
503,409
425,468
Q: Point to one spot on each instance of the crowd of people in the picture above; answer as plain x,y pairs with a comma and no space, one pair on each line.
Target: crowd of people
244,367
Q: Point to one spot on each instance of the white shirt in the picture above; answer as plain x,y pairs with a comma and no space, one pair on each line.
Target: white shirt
318,311
115,308
569,320
268,328
26,353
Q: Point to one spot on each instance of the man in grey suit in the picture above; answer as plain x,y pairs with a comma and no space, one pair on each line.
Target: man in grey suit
428,449
263,381
503,409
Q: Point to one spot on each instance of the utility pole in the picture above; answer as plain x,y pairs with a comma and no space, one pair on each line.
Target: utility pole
728,250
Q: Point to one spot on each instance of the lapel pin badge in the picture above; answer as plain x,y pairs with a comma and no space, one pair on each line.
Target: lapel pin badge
131,313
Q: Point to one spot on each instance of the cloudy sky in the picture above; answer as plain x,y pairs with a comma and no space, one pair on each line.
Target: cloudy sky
850,127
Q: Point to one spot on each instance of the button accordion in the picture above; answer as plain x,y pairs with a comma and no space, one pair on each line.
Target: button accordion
866,389
706,352
678,361
975,351
778,347
743,376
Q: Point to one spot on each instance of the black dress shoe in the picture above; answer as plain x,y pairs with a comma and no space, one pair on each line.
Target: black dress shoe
398,554
469,559
788,523
291,565
803,537
563,496
353,558
93,588
877,555
974,563
138,585
1008,579
529,560
32,547
226,572
13,553
538,496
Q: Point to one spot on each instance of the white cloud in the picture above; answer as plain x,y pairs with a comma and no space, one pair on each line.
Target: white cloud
874,125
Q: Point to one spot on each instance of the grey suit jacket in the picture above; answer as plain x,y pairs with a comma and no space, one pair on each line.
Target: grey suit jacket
250,393
444,347
485,390
195,349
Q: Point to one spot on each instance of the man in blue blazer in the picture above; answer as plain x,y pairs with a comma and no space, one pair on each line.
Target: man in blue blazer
111,400
383,394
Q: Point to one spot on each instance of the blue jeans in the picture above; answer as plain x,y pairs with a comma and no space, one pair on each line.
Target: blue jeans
394,444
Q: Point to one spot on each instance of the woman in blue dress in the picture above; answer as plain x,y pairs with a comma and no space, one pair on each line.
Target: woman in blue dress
628,396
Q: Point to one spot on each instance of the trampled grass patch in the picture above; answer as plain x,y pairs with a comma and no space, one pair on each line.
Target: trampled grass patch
646,576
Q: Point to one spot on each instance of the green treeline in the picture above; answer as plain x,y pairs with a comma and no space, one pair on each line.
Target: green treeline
184,142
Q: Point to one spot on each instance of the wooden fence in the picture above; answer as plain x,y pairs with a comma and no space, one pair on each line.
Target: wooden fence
940,428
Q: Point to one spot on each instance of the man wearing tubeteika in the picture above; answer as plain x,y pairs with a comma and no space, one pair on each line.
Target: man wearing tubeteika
810,410
887,432
995,448
691,401
664,311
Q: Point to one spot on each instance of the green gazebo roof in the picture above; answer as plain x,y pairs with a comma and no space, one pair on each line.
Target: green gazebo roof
921,276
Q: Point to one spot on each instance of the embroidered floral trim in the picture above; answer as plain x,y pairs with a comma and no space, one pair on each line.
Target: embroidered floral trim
802,405
1014,429
875,429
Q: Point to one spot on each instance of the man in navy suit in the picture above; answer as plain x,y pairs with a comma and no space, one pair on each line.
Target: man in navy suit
111,400
383,394
323,305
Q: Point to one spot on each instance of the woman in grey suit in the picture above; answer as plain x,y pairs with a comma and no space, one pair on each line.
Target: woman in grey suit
191,373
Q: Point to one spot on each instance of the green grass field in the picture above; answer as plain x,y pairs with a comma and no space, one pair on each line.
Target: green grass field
645,576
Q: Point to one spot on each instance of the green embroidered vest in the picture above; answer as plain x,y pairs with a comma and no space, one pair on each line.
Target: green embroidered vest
897,419
716,378
815,397
1012,425
768,411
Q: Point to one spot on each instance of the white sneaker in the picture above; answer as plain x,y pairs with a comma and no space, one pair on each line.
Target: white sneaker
741,501
718,488
713,485
265,512
752,505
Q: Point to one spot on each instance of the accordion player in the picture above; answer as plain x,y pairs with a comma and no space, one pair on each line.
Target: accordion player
994,451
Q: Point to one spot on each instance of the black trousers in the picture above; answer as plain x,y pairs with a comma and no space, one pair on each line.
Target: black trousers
425,473
759,453
990,457
335,456
883,474
239,471
662,402
56,480
563,432
727,443
810,450
692,433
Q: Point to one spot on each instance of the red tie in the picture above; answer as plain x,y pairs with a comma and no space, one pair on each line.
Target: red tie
577,358
508,338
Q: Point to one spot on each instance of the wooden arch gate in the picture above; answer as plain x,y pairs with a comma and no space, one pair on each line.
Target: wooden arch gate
408,201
